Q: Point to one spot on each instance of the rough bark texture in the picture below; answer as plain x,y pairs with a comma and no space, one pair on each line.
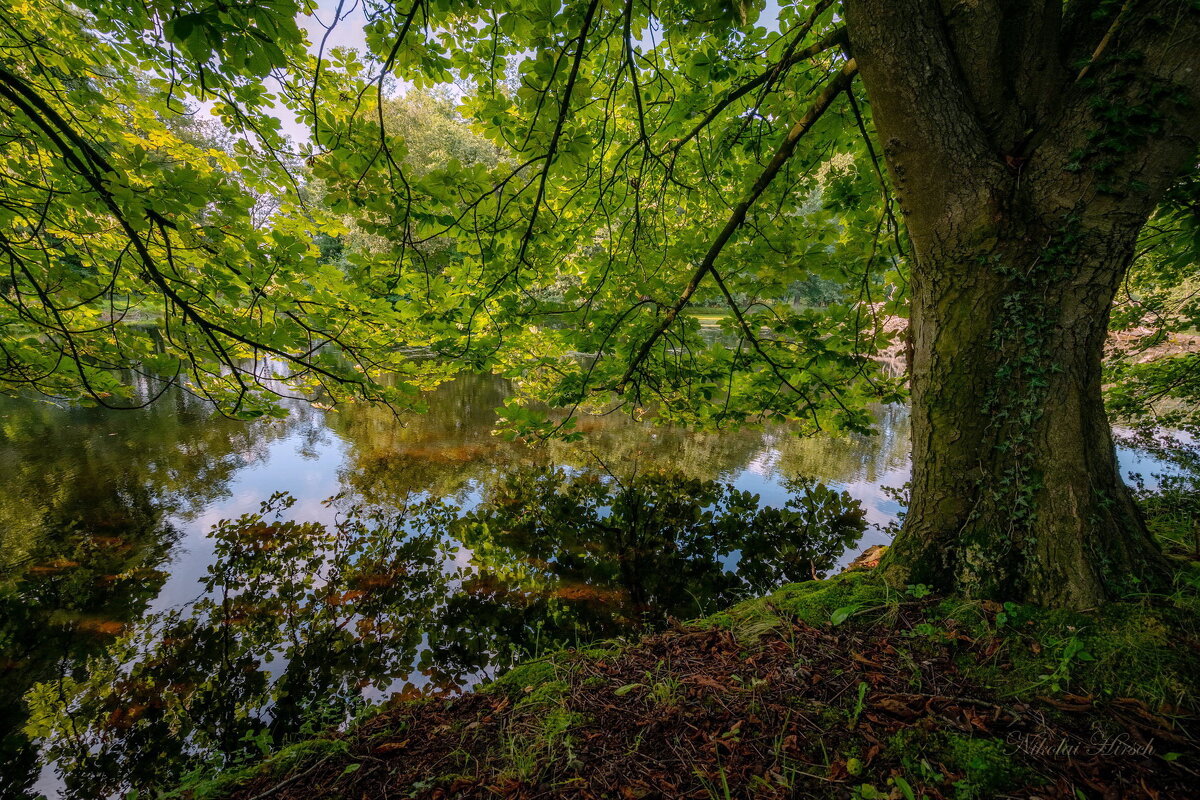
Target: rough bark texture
1028,144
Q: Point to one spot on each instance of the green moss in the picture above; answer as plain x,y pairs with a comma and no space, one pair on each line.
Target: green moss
987,766
530,674
303,752
532,677
210,787
204,786
813,602
557,723
545,693
600,650
1140,648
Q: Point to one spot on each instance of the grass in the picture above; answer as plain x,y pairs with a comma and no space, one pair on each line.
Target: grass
1134,647
709,317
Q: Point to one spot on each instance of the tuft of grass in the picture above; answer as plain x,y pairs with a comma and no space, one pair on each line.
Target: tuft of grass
539,733
204,785
986,765
1141,647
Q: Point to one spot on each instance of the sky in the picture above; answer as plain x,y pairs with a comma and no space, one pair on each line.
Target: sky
348,19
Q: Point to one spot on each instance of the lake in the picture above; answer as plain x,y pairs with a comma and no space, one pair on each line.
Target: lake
155,617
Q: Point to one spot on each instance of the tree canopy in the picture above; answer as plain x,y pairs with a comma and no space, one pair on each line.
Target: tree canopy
548,191
621,164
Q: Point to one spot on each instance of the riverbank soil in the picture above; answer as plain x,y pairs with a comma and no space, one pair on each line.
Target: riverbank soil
841,688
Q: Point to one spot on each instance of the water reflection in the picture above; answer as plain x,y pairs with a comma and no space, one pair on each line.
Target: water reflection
89,516
302,624
560,557
451,446
111,575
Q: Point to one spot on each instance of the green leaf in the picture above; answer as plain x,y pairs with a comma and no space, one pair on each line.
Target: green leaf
842,614
904,787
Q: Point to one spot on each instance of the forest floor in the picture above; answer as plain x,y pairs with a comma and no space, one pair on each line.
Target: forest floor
837,688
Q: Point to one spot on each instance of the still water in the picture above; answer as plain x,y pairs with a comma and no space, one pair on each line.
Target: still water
155,617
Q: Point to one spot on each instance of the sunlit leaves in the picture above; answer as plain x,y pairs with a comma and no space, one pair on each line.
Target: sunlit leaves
541,218
137,236
567,248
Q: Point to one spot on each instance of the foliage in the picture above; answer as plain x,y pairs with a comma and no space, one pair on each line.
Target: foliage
134,242
558,226
549,182
581,239
1171,499
567,558
1153,368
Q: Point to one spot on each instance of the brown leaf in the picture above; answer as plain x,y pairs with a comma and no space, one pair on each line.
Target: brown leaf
895,707
704,680
1064,705
860,658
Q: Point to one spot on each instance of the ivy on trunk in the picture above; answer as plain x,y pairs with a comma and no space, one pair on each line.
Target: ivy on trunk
1024,177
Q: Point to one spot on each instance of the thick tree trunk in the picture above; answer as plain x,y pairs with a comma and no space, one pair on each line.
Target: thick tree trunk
1024,180
1015,488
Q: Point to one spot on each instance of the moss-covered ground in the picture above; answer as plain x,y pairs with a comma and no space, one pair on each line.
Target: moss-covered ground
838,688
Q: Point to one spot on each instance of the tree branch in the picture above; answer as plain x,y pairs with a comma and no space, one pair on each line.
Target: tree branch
833,39
832,89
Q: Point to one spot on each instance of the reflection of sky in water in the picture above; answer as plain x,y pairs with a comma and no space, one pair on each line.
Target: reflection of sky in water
371,456
291,464
314,468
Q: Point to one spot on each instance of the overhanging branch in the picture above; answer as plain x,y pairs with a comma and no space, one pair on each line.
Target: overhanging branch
737,218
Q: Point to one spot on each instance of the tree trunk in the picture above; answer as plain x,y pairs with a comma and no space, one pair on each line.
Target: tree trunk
1015,488
1023,188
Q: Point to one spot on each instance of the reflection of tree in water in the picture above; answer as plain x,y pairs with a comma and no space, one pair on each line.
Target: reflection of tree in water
303,624
84,533
443,450
851,457
297,620
93,571
439,451
560,558
177,449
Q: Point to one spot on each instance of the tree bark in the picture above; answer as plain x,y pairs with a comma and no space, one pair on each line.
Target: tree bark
1015,489
1024,179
